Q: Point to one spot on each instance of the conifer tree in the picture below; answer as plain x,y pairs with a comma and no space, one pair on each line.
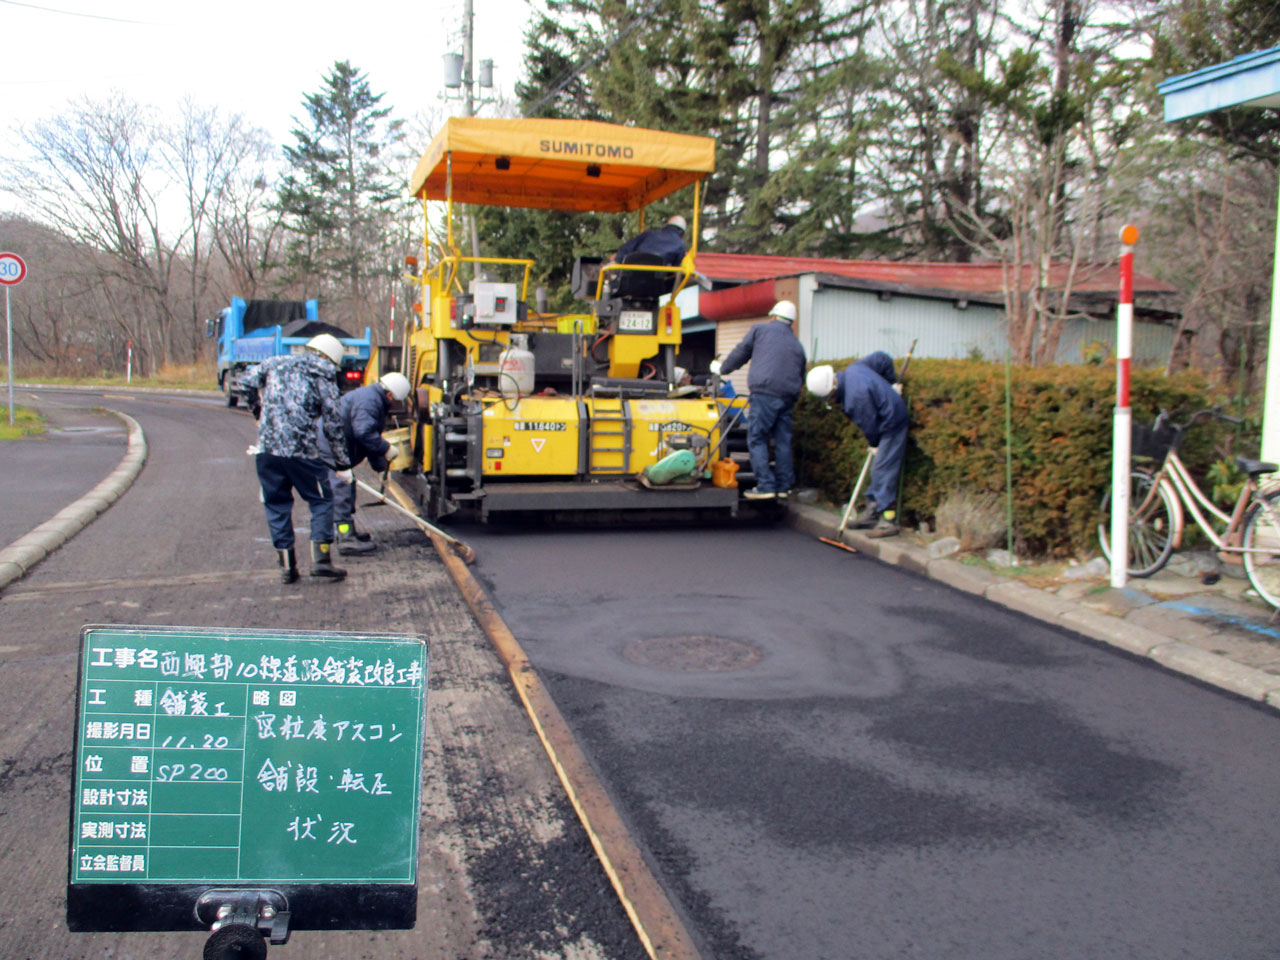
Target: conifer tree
338,197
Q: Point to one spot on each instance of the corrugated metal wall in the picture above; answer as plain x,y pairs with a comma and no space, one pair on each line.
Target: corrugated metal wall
852,323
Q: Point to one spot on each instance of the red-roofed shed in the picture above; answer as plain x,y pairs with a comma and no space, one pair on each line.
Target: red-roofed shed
850,307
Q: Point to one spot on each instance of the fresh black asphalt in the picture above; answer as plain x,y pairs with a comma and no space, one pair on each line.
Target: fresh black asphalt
905,770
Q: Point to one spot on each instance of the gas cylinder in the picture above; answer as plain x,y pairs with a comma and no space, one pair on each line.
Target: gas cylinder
515,368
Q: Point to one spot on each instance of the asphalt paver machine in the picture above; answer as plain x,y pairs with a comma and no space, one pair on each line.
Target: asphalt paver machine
516,410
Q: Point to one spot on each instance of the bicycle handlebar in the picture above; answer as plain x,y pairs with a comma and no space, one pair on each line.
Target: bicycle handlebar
1212,412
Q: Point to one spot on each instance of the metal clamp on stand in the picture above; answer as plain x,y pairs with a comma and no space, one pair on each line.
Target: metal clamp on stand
242,921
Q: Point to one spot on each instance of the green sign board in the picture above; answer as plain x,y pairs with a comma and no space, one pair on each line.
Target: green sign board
246,757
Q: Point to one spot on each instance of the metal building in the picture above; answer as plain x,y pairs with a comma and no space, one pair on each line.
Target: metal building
848,308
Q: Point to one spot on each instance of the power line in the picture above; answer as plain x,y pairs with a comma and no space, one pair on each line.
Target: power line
75,13
588,60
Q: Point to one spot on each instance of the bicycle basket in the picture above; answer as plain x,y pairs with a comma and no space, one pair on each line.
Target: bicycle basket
1149,444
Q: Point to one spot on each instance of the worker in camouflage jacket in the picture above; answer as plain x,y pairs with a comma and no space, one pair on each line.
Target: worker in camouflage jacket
298,390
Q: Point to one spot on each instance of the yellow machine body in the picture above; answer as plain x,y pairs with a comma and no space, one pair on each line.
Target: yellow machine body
600,437
602,408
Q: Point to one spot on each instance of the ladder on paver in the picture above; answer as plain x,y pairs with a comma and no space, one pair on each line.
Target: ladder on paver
609,435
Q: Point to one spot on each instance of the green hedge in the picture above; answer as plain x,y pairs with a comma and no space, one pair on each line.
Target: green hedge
1060,440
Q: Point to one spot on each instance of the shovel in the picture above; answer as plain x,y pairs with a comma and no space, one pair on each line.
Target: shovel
465,552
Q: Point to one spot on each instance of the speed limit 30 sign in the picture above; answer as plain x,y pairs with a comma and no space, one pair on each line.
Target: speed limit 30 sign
12,269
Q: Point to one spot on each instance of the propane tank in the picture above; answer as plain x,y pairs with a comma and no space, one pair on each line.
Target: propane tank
515,368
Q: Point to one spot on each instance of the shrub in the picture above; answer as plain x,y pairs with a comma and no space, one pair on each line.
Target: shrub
1059,442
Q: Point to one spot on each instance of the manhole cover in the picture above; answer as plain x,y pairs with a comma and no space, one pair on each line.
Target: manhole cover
694,653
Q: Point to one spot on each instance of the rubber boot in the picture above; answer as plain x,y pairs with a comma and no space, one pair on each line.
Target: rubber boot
348,529
322,562
350,543
350,546
288,565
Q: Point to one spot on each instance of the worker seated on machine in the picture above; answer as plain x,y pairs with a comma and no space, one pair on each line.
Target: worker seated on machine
663,247
666,243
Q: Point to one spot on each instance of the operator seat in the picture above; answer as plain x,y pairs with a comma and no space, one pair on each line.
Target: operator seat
642,284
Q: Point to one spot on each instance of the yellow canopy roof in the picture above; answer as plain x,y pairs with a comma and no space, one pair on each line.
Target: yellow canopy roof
559,164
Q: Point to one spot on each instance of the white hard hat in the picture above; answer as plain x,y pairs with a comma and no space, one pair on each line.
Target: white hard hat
328,345
678,222
821,380
396,384
784,310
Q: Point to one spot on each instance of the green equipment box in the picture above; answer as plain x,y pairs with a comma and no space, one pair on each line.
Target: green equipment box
213,759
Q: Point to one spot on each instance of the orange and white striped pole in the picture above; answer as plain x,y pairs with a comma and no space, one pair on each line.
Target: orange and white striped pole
1122,423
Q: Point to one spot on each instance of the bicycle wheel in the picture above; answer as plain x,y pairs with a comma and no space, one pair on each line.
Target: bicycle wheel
1262,534
1150,525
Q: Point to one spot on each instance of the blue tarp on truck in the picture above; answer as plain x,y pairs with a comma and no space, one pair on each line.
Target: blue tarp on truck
250,331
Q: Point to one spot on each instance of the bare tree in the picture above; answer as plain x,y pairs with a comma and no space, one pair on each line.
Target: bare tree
97,174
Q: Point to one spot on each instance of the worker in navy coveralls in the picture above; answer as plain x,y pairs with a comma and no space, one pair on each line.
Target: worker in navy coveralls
868,394
364,417
774,380
297,390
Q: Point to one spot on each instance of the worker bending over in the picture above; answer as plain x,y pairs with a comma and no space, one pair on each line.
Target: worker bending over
774,381
364,416
298,389
865,391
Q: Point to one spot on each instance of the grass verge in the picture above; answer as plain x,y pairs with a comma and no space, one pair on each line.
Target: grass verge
26,423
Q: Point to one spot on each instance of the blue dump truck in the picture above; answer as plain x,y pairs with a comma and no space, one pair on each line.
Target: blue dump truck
250,331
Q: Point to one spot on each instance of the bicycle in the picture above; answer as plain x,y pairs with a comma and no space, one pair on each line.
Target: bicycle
1159,494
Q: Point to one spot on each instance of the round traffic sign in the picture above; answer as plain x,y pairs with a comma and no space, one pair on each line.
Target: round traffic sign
12,269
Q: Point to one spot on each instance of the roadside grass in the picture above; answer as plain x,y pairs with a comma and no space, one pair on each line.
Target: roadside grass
172,377
26,423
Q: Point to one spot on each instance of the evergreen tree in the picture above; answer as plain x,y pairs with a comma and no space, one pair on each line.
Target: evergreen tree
772,81
1191,34
339,198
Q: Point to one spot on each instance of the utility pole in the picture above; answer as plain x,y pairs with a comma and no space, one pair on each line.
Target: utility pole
468,98
460,71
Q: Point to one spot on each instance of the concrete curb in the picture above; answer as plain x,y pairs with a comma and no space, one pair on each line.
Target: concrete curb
1135,637
24,553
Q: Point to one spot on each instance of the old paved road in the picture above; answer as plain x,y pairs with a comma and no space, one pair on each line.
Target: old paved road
831,759
506,871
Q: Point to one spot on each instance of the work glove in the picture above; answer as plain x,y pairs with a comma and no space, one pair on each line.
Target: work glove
253,450
346,476
715,366
393,451
897,388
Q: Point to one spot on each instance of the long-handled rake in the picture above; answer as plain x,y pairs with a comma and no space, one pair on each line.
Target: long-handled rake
463,550
848,510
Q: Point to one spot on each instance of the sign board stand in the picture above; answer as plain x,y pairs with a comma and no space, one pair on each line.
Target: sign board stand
244,782
12,271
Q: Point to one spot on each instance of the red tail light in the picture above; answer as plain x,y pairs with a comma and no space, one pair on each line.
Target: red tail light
353,374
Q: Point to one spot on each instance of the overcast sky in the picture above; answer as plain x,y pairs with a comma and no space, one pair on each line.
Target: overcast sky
255,57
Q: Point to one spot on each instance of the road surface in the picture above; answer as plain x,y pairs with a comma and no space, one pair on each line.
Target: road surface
827,757
506,871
